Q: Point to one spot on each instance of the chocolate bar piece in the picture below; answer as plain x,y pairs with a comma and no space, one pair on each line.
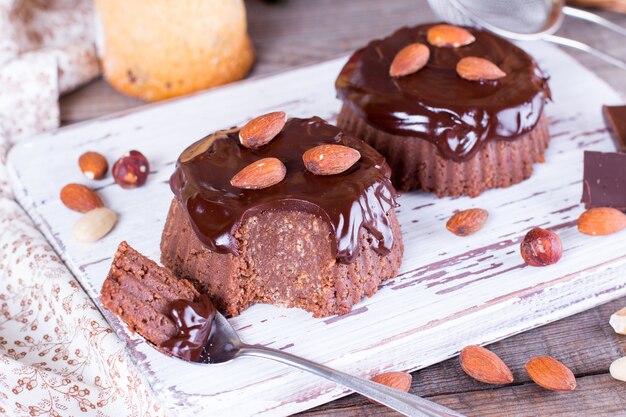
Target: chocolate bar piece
604,180
615,117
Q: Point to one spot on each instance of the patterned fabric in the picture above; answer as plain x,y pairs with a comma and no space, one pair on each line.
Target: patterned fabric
58,356
46,49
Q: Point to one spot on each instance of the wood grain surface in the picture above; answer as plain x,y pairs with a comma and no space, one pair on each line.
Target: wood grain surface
293,33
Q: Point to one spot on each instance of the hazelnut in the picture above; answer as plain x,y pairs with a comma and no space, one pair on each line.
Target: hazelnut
131,170
541,247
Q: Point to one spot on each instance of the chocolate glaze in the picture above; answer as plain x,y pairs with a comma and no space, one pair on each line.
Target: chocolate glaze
194,322
435,103
360,197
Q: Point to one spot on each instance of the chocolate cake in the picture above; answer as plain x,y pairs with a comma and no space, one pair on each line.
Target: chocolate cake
168,312
442,127
318,242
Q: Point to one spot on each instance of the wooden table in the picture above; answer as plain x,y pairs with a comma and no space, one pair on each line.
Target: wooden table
297,32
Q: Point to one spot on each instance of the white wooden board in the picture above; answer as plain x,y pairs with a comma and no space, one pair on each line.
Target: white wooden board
451,291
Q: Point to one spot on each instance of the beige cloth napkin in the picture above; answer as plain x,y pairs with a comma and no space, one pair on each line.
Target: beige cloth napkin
58,356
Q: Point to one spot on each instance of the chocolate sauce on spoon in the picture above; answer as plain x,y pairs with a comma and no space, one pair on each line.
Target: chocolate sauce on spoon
194,324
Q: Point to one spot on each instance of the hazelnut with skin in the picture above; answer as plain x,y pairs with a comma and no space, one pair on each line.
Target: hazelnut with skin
131,170
541,247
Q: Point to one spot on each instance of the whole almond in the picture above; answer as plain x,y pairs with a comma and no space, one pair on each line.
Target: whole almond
397,380
94,225
449,36
601,221
618,369
80,198
409,59
330,159
618,321
260,174
467,222
261,130
473,68
484,366
550,374
93,165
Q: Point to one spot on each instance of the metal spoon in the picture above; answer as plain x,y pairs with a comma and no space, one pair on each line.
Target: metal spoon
224,345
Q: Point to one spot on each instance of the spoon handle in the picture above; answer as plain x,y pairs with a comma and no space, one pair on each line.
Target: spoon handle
407,404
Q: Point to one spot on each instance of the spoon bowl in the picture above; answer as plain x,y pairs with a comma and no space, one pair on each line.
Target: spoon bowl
223,344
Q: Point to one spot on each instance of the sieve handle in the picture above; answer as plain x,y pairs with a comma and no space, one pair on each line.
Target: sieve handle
586,48
594,18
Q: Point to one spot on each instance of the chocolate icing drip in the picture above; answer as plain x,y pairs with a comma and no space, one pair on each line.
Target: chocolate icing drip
194,322
360,197
437,105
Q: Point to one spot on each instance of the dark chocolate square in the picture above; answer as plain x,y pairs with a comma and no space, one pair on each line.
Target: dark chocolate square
615,117
604,180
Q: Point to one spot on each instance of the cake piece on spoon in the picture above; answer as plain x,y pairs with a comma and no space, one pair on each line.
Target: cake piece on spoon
168,312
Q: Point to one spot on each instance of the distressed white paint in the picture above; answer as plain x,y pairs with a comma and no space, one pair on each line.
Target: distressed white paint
451,291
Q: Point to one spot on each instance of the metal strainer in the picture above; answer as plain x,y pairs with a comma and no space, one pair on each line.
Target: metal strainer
525,20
